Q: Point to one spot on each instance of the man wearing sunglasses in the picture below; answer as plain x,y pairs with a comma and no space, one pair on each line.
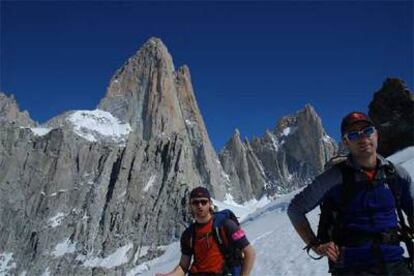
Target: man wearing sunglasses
362,200
200,242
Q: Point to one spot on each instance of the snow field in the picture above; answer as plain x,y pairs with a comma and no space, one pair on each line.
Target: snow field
92,124
279,250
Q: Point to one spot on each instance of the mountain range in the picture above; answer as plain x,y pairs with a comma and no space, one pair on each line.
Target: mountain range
114,181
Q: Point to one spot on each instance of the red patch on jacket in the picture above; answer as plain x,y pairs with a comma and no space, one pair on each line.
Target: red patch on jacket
238,235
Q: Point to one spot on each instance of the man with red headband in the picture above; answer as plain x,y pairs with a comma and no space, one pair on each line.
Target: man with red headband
362,201
213,245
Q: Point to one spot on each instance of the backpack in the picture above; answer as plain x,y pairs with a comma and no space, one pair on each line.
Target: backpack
233,257
331,225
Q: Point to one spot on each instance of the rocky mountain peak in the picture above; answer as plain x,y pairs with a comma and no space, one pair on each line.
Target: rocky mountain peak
392,111
10,112
395,86
4,97
308,109
308,141
244,170
154,44
283,159
306,119
307,114
234,144
159,103
155,51
143,92
184,70
107,180
284,122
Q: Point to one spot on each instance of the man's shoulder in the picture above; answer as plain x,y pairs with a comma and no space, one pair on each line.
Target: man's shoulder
187,232
186,242
329,178
399,170
402,173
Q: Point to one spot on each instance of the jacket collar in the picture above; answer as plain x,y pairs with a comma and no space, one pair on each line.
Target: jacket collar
381,162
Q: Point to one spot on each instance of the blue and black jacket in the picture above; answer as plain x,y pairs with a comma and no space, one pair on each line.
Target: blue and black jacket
370,210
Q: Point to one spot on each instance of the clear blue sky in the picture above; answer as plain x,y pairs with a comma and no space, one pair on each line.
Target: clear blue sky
251,62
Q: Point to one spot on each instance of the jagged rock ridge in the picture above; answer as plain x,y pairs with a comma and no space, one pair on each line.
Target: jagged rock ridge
284,159
245,171
75,194
10,112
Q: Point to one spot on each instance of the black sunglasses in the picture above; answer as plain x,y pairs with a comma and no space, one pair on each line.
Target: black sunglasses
198,201
355,135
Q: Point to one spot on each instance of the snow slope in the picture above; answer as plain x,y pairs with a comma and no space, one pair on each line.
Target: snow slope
91,125
278,247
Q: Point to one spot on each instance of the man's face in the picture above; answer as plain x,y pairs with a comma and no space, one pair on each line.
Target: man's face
361,140
200,207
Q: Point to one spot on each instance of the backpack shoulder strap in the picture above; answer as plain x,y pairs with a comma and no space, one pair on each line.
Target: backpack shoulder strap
232,256
192,237
219,225
406,232
221,216
218,222
394,185
331,222
220,233
349,188
396,189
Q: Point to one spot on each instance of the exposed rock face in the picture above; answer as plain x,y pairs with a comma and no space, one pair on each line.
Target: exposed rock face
10,112
79,198
392,111
143,93
290,155
207,163
96,192
159,102
248,180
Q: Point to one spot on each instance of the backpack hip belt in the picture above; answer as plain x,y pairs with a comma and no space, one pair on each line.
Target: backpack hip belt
356,238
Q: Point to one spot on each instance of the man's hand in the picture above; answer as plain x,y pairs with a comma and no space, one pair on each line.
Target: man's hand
329,249
248,262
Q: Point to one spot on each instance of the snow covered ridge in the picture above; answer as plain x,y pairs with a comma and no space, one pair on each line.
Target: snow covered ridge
40,131
94,124
241,210
278,247
119,257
